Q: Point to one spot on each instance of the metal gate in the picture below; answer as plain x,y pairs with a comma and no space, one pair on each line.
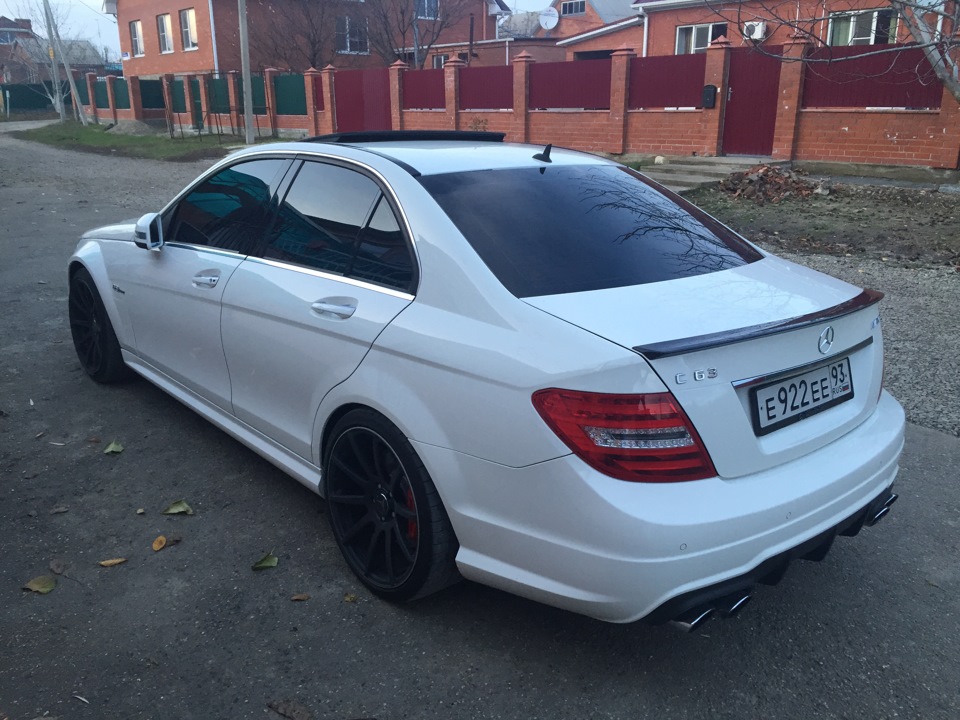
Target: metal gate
362,99
753,88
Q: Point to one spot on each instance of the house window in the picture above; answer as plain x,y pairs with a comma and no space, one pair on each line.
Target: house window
136,38
428,9
188,29
697,38
6,37
873,27
352,36
165,33
439,61
573,7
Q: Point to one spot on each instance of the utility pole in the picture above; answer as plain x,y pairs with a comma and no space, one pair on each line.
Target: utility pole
245,72
54,67
66,68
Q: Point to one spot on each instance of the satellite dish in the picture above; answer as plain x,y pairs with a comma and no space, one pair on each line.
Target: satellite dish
549,17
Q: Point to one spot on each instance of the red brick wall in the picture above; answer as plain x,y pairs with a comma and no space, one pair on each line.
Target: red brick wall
631,37
678,132
154,63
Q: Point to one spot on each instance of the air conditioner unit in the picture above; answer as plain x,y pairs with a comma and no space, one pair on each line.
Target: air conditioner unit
755,30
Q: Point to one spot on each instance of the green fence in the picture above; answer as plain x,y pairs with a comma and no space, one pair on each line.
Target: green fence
179,96
218,95
291,95
100,94
259,94
197,109
28,97
151,94
82,93
121,94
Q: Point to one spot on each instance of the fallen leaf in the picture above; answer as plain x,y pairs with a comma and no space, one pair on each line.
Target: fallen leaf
290,710
31,402
41,584
58,444
159,544
82,699
349,597
173,540
267,561
180,507
58,566
59,510
39,435
111,562
140,511
300,597
114,448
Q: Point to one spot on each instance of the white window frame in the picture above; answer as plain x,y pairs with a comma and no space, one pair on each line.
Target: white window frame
694,48
136,38
439,61
352,35
165,33
573,7
872,39
428,9
188,29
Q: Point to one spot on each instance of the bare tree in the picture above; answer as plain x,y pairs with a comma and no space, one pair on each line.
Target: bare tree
38,58
932,25
296,34
397,27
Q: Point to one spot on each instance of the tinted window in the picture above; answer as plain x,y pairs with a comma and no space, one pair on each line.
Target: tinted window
230,210
321,217
551,230
383,256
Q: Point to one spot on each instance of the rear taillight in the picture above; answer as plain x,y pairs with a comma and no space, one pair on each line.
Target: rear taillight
642,438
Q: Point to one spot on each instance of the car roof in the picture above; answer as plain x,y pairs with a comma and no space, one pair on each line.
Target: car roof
433,153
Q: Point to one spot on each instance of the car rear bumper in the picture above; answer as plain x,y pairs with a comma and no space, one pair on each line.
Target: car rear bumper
560,533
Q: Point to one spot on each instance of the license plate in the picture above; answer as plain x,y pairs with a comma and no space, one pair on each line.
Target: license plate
787,401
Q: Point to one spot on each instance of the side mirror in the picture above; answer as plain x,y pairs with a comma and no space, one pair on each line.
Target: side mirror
149,232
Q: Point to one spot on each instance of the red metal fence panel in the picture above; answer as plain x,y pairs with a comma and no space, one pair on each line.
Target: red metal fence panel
363,100
578,84
902,79
423,90
667,81
486,88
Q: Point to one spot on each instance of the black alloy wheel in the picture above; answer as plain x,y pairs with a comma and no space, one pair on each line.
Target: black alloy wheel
385,512
93,337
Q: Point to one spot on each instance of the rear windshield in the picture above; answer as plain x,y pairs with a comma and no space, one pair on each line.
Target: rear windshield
553,230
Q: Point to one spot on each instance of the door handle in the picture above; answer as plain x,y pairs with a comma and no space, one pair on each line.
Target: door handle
208,281
336,309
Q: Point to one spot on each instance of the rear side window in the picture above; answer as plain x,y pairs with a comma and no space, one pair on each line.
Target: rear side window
230,210
553,230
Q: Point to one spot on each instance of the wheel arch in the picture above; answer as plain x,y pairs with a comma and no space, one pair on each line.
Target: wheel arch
89,257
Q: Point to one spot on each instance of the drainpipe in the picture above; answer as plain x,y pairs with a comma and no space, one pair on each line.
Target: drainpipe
646,23
213,38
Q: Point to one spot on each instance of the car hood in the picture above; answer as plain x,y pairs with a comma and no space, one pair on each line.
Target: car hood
117,231
768,291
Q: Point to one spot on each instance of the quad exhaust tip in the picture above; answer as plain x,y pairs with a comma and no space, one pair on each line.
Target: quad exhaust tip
883,511
725,607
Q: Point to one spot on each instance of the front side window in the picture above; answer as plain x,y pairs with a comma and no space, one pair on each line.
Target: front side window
553,230
338,221
188,29
573,7
231,210
428,9
873,27
165,33
136,38
697,38
352,36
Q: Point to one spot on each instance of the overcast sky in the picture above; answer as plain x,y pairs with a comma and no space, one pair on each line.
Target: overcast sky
85,21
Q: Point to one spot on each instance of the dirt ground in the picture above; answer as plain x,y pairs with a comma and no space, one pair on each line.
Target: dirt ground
907,227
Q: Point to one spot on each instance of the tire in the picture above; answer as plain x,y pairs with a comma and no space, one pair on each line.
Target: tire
93,337
385,512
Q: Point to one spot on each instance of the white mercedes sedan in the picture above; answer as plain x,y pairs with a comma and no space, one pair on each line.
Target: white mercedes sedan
529,367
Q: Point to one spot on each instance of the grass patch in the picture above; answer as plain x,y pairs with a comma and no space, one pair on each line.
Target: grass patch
96,139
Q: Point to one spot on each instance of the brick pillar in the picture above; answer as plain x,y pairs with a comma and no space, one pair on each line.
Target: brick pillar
205,103
270,91
788,101
91,79
328,123
396,94
715,73
233,96
520,132
451,88
167,85
619,95
948,156
188,98
314,99
136,99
